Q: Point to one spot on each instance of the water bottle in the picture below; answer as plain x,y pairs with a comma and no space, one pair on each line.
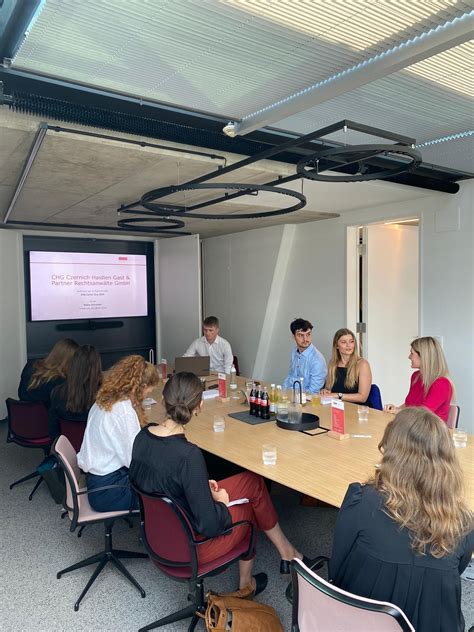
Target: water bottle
233,383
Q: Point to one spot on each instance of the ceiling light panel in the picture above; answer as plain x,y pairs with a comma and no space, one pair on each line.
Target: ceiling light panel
226,57
359,24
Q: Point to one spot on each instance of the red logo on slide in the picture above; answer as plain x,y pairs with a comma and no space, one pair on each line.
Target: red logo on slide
123,258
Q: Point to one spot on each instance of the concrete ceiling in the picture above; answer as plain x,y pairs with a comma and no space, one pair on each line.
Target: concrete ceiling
83,180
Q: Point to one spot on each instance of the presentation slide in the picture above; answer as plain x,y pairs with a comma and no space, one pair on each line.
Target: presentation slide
73,285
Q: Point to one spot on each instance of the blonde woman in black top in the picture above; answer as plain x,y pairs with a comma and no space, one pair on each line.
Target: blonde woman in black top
39,377
349,375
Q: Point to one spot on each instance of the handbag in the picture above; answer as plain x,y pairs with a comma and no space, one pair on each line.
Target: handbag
234,614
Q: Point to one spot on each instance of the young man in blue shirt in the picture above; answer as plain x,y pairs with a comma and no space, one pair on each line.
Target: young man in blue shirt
306,361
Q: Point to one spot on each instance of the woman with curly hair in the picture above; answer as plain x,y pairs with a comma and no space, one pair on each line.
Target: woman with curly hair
39,377
407,535
112,425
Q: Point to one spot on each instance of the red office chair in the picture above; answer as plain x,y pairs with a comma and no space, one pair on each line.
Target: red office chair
81,514
28,427
172,546
74,431
319,606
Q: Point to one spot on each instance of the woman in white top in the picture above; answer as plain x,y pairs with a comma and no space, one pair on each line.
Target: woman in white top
112,425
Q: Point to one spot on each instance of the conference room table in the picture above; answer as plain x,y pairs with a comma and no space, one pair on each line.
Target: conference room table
316,465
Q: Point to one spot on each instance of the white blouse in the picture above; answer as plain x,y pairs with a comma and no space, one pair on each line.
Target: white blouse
108,439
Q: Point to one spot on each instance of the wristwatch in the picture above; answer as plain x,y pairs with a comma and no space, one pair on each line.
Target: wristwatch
339,395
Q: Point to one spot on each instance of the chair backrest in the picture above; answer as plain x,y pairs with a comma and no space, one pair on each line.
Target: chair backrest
453,416
67,456
26,420
74,431
319,606
236,365
167,533
374,399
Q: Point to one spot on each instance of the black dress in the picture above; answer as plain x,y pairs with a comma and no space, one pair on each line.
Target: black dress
372,557
175,467
57,410
41,393
339,383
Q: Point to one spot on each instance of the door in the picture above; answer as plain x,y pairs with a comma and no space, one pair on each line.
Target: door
383,299
391,303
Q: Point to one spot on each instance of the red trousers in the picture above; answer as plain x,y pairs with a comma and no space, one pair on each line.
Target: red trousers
259,511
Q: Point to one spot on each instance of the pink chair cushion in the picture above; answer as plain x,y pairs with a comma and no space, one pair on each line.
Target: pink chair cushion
318,612
86,514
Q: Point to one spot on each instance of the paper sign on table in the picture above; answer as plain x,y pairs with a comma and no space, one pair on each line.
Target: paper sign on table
222,381
337,416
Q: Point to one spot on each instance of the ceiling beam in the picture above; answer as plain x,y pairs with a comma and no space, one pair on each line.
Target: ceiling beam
405,54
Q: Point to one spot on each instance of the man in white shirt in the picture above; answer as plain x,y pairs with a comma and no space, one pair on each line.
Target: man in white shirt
212,345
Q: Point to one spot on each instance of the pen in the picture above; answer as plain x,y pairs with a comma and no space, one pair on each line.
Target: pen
359,436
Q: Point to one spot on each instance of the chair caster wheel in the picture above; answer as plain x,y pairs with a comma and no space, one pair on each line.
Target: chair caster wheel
76,607
58,575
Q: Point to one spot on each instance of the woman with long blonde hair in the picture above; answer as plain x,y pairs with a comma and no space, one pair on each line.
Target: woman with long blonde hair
40,377
112,425
430,385
407,535
349,375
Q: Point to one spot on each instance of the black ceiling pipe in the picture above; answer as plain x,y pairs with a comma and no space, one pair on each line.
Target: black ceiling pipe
187,128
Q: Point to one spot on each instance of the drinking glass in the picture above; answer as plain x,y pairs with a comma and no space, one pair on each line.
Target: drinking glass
363,414
269,454
459,438
219,423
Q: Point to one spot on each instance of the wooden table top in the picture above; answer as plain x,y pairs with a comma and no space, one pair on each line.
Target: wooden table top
318,466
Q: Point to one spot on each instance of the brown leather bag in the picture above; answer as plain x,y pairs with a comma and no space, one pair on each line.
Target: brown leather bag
235,614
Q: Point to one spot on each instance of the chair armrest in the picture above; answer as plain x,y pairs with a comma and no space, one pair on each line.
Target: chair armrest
229,530
101,489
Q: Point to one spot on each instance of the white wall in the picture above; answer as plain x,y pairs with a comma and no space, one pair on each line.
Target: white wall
179,294
313,284
12,315
237,277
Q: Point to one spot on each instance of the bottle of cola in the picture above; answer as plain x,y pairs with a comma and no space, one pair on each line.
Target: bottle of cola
258,395
252,399
265,405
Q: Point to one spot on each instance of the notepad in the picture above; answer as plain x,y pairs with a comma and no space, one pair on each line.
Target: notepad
239,501
210,394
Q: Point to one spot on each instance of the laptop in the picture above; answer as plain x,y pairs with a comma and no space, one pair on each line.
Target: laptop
200,365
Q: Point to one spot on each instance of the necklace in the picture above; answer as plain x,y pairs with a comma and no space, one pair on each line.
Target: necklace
177,428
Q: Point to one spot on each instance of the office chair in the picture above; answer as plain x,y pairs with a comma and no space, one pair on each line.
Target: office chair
453,416
319,606
74,431
173,548
81,514
28,427
374,399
